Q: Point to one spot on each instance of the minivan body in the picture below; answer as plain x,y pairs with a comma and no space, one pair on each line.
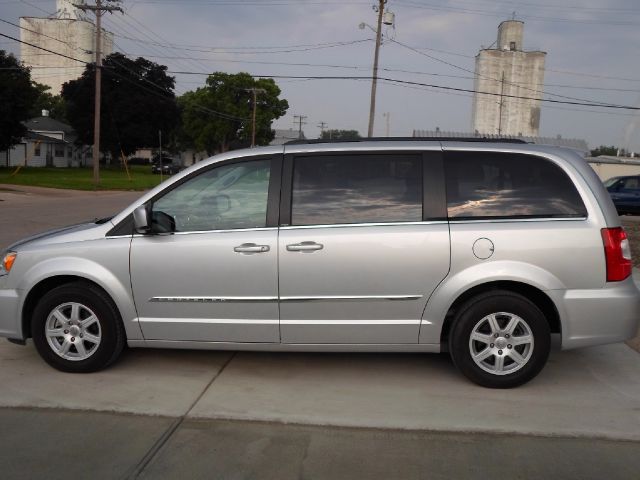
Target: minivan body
485,250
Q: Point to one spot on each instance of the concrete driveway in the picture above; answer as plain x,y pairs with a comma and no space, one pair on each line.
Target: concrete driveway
188,402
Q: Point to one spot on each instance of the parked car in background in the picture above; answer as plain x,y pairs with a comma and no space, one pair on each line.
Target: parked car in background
483,250
169,165
625,193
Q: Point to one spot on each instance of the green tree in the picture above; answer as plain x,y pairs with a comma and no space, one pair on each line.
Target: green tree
218,116
604,150
137,102
46,101
340,135
17,97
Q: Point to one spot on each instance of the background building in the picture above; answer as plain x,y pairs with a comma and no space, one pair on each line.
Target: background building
503,71
47,143
70,33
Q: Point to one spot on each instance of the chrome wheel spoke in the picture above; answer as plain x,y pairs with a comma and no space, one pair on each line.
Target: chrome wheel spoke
483,355
55,332
89,337
87,322
82,351
493,323
75,312
481,337
64,348
499,365
521,340
511,326
59,316
516,357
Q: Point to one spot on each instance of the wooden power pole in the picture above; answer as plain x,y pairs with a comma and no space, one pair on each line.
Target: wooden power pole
98,9
374,81
255,92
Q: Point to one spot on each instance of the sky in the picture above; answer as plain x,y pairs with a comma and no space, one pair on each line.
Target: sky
592,56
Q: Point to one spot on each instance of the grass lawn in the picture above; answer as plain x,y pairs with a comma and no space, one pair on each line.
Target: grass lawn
112,178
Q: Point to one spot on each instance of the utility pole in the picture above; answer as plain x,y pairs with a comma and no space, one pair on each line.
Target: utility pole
387,116
255,92
374,80
98,9
160,142
322,126
501,105
301,121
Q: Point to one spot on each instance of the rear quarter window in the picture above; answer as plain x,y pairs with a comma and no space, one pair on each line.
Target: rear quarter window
489,185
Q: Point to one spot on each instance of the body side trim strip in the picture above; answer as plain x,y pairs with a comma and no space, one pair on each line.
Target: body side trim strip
331,298
179,299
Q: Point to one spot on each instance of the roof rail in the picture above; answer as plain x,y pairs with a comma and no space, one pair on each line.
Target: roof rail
408,139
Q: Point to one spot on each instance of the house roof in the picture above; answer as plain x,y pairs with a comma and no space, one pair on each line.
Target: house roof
48,124
43,138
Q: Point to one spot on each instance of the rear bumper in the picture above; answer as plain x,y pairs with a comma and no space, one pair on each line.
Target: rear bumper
599,316
10,325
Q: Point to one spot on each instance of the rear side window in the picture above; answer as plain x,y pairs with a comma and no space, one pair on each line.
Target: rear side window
356,189
486,185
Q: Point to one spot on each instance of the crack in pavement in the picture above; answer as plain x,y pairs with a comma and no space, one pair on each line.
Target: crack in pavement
168,433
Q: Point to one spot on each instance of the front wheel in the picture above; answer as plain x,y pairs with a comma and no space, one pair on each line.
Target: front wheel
77,328
500,340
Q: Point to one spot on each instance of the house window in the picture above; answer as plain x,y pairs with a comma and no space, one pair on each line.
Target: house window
59,150
36,150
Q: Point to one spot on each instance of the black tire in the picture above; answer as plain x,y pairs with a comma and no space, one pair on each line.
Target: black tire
91,356
517,364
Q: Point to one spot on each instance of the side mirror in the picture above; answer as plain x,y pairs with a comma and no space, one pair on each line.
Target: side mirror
141,219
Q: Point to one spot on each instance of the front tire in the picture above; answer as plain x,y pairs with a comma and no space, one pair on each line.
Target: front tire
500,339
77,328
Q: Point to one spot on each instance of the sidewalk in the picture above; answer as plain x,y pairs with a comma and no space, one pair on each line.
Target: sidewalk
592,392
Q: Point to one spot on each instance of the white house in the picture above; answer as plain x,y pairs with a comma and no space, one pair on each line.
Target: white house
47,143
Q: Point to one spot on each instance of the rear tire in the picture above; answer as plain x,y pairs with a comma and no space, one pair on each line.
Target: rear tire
500,339
77,328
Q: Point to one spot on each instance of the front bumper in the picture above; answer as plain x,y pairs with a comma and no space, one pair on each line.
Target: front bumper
10,324
599,316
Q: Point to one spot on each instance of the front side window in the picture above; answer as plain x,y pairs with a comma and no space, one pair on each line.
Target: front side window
503,185
228,197
59,150
341,189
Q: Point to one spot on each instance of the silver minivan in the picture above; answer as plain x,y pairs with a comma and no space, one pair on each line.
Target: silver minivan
484,250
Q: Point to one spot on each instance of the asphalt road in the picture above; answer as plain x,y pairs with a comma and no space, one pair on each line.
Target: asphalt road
169,414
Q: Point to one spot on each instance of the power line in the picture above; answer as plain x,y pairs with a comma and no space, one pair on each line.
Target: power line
42,48
443,87
467,11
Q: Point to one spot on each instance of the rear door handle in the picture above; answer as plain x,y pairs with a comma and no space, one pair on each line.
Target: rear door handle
304,247
251,248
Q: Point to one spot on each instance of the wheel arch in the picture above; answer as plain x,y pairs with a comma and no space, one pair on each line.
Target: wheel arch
534,294
46,285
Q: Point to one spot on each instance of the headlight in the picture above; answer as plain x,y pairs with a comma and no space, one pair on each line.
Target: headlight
7,262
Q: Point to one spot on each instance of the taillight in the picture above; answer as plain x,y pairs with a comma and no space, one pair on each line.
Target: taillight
617,254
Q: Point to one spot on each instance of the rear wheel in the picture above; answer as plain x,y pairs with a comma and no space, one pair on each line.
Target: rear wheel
77,328
500,340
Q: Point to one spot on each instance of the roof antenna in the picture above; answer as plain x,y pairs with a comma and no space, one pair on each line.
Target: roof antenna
513,16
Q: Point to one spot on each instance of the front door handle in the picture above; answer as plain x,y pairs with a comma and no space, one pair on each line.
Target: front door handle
251,248
304,247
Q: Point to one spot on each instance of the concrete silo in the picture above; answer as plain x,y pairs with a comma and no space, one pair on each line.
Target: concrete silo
70,33
507,71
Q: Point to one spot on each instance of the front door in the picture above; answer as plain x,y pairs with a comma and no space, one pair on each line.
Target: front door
209,272
360,258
